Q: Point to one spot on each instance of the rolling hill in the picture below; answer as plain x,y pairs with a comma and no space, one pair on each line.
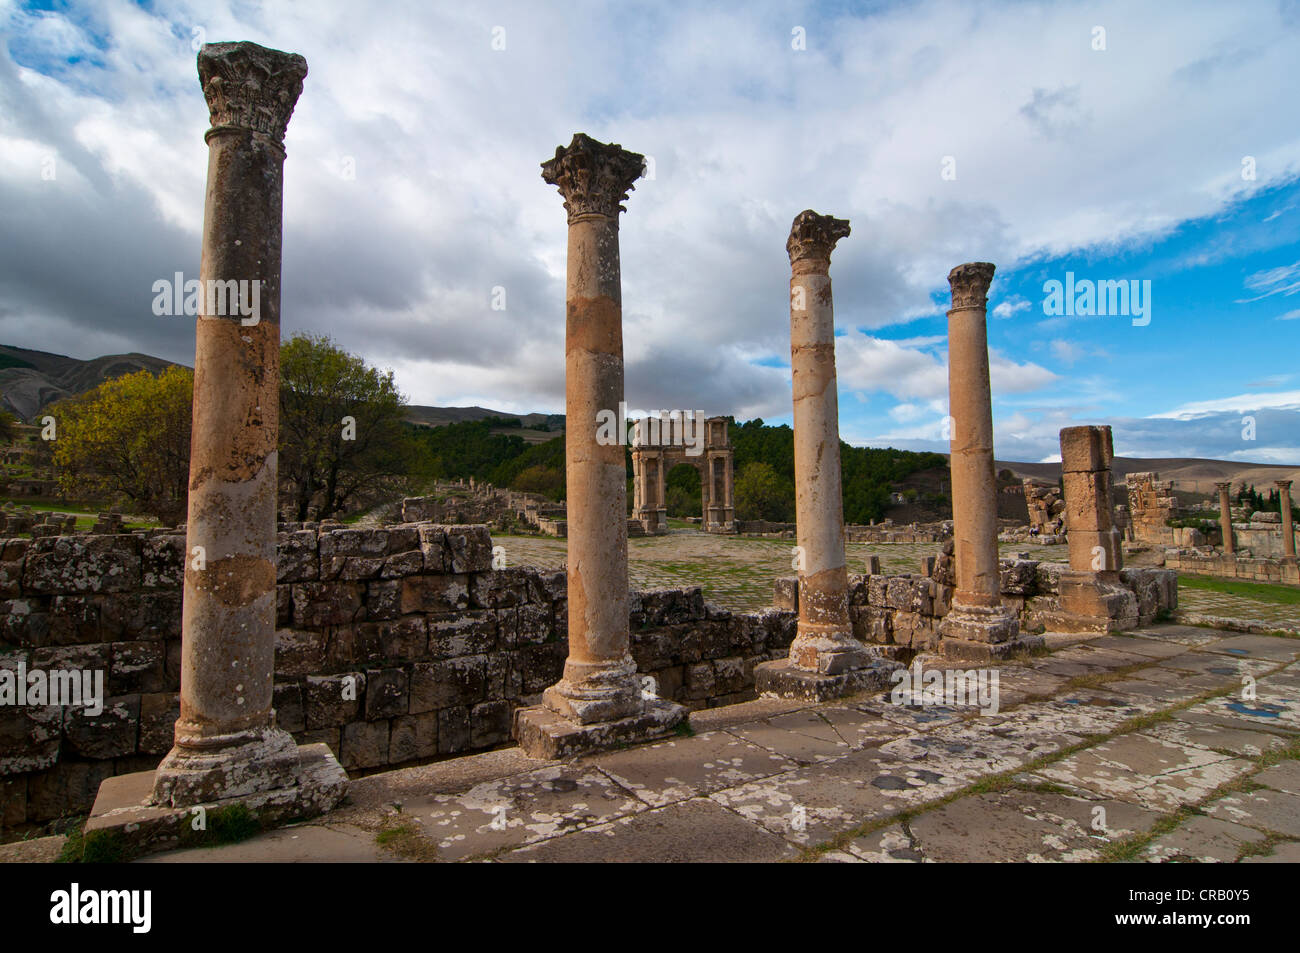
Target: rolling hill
31,380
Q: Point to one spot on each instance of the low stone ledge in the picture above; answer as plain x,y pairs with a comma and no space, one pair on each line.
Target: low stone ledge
123,824
543,734
781,679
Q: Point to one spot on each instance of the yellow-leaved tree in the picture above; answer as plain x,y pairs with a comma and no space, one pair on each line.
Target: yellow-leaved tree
128,441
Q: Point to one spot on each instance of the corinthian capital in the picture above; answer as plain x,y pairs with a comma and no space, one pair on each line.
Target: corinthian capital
250,87
970,284
593,177
814,236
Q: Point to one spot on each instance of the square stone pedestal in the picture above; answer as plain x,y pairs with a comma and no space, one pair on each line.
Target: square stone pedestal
964,650
123,823
983,634
543,733
1091,602
783,679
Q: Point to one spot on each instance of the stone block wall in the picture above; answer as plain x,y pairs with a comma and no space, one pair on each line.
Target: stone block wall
905,609
1151,504
393,645
1234,567
886,532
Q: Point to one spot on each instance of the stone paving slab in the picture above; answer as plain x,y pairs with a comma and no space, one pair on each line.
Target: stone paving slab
1090,712
303,843
1226,666
1216,737
817,802
1281,777
1023,825
1201,840
1287,852
803,736
518,810
1257,646
1140,645
1020,684
676,770
694,831
1146,771
1147,692
860,729
889,845
1106,658
1268,710
36,850
1264,810
914,717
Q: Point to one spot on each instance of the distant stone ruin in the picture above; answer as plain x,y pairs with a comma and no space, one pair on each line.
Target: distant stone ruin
657,449
1046,507
1151,504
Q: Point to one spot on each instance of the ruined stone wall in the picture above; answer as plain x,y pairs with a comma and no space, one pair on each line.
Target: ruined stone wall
885,532
1151,503
1261,537
1044,503
438,647
904,610
1230,567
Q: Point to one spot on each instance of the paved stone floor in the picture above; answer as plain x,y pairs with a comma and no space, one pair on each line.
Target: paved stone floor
1181,743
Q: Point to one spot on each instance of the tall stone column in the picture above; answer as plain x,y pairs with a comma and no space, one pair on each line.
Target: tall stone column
1288,528
825,658
226,743
977,625
1225,518
599,701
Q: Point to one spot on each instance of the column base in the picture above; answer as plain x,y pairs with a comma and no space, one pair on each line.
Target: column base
215,769
829,651
964,650
125,822
1090,602
596,692
784,679
544,733
988,624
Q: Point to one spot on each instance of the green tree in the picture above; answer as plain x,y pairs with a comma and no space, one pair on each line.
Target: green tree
539,479
342,438
128,441
763,494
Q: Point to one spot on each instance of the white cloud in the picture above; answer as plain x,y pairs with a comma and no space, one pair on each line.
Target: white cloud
1011,306
447,202
1282,400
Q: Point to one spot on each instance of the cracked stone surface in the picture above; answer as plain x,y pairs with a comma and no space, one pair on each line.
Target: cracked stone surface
1137,759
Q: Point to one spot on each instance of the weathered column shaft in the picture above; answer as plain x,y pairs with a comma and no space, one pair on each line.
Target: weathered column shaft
599,682
824,628
977,614
1225,518
228,616
1094,543
970,406
1288,526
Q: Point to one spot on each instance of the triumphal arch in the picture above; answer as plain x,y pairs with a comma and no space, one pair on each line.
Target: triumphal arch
663,442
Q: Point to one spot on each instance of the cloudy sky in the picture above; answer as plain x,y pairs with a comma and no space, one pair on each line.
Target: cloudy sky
1146,142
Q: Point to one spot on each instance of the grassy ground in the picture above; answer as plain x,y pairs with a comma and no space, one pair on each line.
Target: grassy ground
1260,591
85,519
